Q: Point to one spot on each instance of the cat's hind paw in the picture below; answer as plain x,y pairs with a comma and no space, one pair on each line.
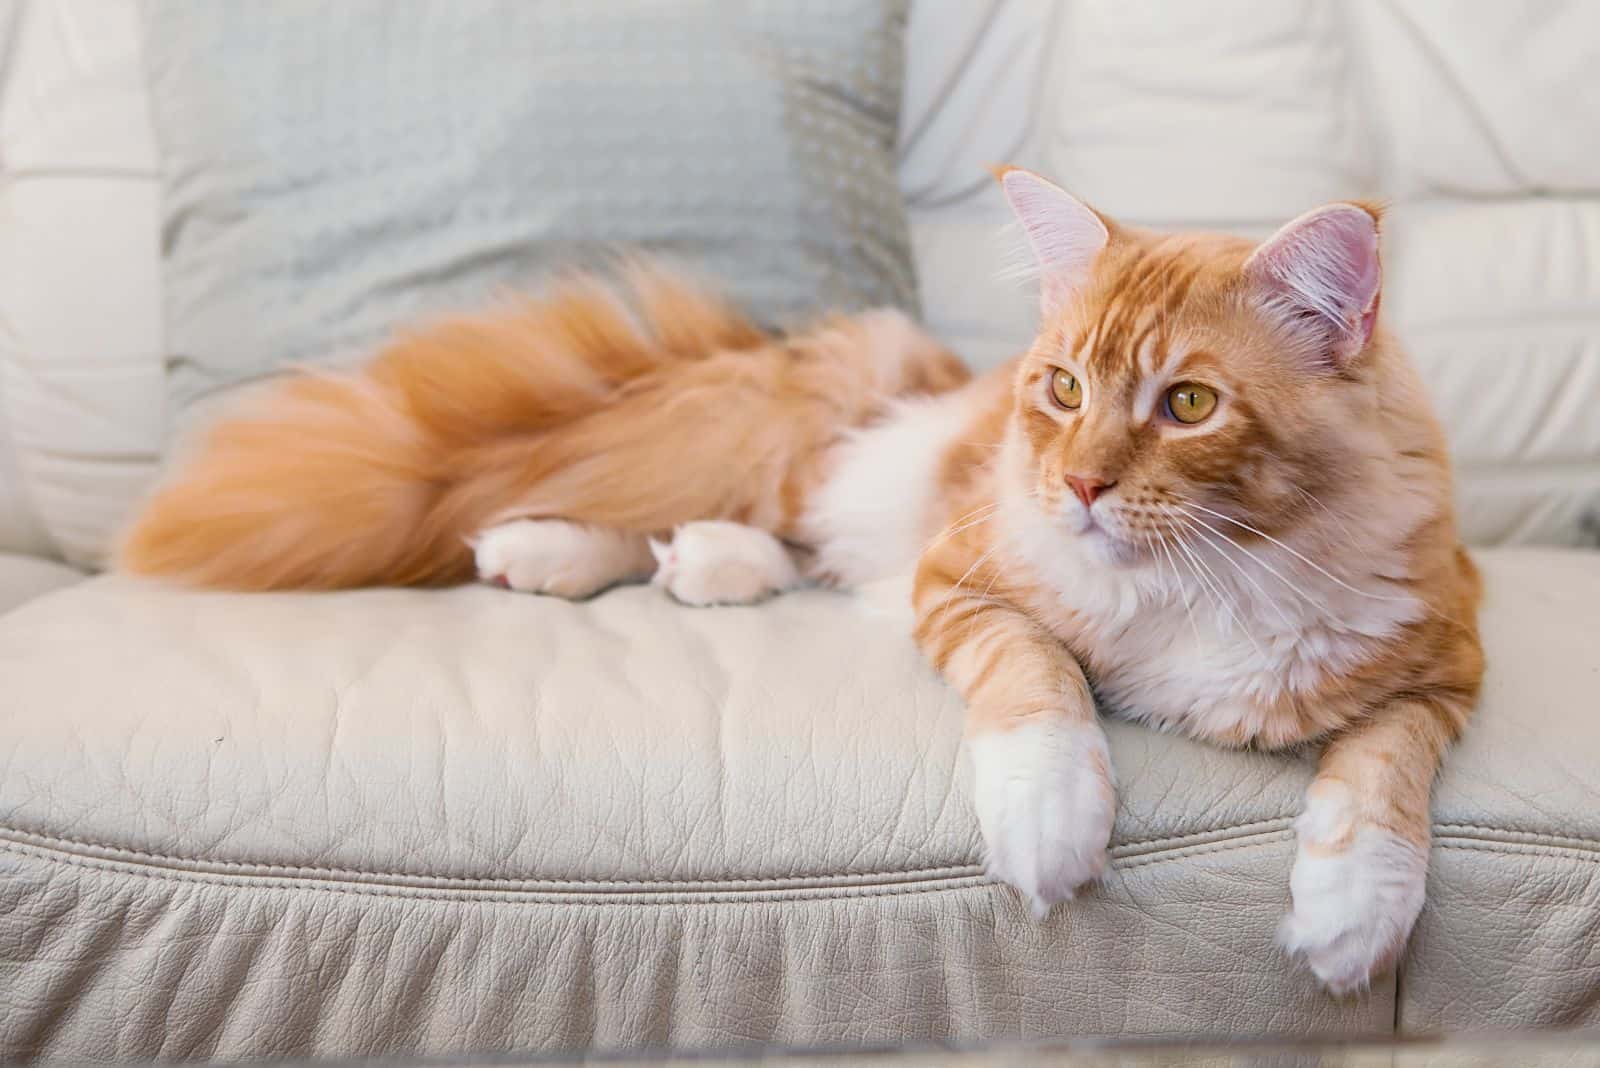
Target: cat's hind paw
557,557
717,562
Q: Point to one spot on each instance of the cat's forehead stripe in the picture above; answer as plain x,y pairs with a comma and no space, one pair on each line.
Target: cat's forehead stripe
1130,331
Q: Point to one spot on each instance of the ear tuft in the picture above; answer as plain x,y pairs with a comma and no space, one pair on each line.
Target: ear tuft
1063,232
1322,272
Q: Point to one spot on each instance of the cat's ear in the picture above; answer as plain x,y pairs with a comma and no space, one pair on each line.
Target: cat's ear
1064,233
1322,274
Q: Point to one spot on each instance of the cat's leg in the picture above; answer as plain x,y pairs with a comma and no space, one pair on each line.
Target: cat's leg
1042,781
1362,860
718,562
559,557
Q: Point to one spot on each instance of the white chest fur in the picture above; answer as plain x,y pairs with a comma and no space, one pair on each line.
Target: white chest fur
870,521
1208,640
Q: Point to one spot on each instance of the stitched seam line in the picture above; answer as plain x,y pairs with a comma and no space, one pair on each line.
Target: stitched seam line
577,898
1501,834
1202,849
590,900
472,894
1143,845
76,846
1519,849
1127,855
65,844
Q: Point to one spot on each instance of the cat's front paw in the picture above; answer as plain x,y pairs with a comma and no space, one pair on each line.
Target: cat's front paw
1043,791
1357,892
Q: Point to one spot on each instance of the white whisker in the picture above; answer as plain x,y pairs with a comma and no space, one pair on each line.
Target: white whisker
1274,572
993,578
1297,555
1183,590
984,596
953,590
964,523
1213,583
1340,523
1150,547
1189,522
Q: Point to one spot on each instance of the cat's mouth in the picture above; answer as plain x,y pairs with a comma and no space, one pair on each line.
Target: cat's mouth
1102,529
1118,536
1106,528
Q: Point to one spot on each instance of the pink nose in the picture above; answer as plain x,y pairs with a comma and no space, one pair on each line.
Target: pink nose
1087,489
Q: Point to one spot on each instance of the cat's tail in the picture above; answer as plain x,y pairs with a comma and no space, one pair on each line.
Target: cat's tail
378,477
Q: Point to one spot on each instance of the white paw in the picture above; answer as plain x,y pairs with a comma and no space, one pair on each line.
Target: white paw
1357,892
716,562
557,557
1045,802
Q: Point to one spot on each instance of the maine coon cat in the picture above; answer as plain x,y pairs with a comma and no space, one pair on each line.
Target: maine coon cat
1210,495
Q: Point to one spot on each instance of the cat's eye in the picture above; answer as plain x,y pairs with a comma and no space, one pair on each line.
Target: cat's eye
1065,389
1190,403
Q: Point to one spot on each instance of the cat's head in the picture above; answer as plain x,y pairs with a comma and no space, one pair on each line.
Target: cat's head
1178,379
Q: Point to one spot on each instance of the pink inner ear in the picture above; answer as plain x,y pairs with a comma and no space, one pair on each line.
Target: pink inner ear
1063,233
1326,263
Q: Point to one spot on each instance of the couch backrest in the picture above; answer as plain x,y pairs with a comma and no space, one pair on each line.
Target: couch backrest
1475,123
80,301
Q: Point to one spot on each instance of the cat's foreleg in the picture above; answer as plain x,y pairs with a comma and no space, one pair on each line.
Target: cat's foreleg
1042,782
1362,861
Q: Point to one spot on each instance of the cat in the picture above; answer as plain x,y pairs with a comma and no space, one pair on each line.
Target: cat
1211,495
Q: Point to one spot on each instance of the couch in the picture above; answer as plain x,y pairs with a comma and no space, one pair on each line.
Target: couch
437,822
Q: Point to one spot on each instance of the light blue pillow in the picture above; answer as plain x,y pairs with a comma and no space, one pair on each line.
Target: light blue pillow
336,169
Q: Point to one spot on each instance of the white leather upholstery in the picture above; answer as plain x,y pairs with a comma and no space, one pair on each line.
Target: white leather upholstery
342,824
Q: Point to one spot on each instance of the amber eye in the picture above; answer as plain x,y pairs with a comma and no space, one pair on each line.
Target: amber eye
1190,403
1065,390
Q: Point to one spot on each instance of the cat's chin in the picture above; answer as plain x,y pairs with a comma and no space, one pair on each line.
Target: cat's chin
1105,547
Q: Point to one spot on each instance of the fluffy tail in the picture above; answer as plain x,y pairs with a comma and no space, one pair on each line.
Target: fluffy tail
335,480
637,407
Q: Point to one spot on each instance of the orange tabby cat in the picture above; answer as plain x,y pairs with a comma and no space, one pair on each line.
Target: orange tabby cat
1212,486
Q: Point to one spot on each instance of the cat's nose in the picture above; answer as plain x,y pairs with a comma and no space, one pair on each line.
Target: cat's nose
1087,489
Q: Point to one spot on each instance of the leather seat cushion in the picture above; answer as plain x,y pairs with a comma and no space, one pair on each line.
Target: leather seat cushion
724,802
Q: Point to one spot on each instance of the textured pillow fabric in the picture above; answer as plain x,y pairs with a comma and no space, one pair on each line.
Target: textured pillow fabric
333,171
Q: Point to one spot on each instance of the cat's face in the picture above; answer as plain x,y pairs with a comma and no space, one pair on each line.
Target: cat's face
1186,387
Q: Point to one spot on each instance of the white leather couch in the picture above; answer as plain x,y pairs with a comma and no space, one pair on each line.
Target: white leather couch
392,821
